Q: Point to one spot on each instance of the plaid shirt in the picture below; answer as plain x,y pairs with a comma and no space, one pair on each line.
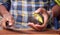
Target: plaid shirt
21,9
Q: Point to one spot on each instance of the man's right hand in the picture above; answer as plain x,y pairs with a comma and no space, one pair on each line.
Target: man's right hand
9,18
6,17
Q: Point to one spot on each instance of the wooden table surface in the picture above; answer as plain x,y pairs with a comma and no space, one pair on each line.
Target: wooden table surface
29,32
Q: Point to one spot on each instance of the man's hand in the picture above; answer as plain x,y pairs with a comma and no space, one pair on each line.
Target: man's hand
37,26
7,18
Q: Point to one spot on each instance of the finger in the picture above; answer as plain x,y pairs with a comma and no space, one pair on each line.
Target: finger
40,28
9,19
38,10
0,23
11,22
33,26
37,25
3,23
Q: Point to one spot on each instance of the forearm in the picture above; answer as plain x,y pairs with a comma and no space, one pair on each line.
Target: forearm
3,10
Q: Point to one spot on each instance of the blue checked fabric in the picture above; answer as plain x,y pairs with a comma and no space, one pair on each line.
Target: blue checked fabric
21,9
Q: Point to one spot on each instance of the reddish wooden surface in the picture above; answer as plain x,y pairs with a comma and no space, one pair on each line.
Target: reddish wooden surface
29,32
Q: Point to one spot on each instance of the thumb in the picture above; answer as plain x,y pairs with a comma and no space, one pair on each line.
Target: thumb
11,22
3,23
38,10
